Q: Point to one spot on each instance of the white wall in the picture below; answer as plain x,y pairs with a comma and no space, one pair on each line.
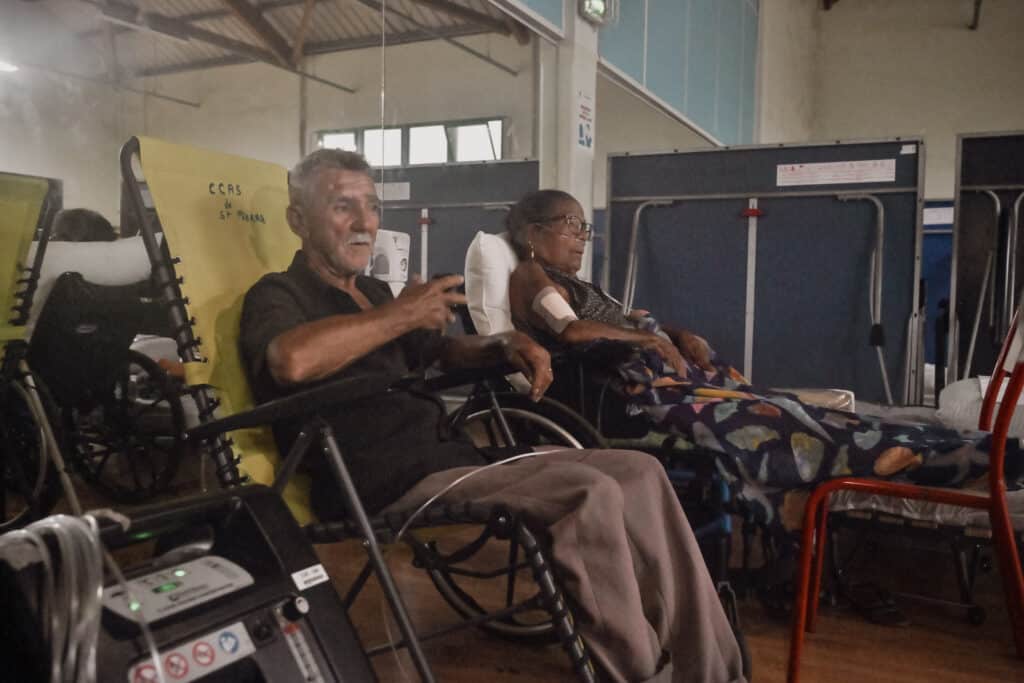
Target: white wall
53,127
251,110
626,123
788,59
913,68
428,82
72,130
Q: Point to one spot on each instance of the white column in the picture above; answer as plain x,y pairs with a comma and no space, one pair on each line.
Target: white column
576,125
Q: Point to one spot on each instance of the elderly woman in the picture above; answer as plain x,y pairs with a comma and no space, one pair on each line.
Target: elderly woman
770,440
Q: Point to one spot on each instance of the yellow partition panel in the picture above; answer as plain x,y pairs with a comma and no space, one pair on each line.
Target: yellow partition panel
223,216
21,201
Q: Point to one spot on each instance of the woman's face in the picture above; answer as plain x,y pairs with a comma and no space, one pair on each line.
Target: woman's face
554,244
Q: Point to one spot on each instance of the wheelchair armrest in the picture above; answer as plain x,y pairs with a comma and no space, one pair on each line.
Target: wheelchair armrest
308,402
337,393
465,376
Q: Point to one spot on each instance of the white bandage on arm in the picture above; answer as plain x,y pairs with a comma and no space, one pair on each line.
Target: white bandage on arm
552,307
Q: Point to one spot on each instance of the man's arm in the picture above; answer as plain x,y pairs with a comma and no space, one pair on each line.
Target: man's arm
515,348
318,349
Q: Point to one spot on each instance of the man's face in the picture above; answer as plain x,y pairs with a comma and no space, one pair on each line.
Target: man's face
339,219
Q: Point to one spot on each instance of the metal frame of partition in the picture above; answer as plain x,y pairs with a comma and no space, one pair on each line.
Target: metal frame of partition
988,278
426,205
913,376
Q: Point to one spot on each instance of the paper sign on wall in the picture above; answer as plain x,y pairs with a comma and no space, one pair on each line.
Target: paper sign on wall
836,173
584,120
938,215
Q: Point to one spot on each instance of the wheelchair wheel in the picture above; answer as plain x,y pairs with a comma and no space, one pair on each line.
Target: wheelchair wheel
130,444
545,423
28,481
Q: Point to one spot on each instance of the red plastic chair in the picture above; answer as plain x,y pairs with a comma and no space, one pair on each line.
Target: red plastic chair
1010,364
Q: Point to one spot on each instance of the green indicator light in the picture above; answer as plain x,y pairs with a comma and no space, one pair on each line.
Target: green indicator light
134,605
180,572
166,587
142,536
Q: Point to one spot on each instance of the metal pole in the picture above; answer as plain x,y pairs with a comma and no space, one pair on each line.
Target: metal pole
748,313
761,195
1014,227
875,296
358,514
424,223
629,290
977,316
997,206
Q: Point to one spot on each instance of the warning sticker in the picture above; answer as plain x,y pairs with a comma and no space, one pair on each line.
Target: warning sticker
198,657
310,576
836,173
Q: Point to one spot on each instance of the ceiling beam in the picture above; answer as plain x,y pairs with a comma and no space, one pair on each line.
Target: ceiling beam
463,13
107,81
258,24
299,41
318,48
174,28
378,7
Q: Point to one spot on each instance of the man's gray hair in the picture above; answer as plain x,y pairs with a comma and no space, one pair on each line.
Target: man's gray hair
302,175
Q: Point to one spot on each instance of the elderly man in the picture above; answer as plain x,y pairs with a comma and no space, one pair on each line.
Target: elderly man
645,602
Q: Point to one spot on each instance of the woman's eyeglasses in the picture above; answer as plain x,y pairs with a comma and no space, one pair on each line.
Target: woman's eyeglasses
572,226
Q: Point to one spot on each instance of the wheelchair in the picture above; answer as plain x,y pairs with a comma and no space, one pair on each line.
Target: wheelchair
201,293
122,416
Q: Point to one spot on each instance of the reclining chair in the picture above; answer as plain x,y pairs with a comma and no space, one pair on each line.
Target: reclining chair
31,469
222,218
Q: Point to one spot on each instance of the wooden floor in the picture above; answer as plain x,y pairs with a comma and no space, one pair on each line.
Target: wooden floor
939,646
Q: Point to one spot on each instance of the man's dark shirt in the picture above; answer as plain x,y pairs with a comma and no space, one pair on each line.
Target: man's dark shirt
390,442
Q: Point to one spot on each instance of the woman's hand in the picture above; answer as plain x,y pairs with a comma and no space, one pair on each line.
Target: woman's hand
695,349
668,352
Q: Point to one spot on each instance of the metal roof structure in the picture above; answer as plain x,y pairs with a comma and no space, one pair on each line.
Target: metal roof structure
140,38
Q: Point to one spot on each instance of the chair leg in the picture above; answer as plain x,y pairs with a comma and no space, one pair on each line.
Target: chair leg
554,602
820,545
1010,569
803,581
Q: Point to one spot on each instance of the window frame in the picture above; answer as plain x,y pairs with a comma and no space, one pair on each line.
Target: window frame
449,125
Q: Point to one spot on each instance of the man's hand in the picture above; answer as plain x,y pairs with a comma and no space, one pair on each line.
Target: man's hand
429,305
532,359
695,349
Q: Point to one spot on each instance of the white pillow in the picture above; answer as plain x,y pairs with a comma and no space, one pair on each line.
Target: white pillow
960,407
490,261
121,262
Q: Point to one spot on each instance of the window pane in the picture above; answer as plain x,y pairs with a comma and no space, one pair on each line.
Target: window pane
473,143
346,141
383,150
428,145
